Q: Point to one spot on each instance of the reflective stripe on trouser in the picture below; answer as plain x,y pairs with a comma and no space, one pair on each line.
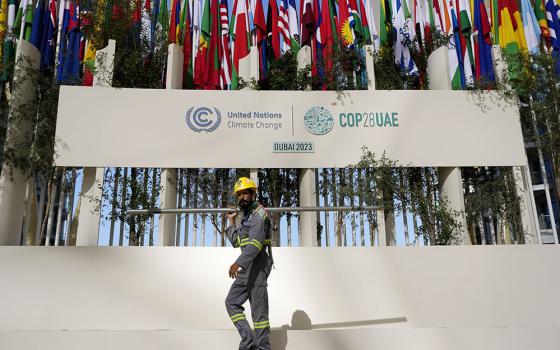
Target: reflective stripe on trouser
258,298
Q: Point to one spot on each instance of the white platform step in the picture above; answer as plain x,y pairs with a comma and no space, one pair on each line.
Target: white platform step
499,338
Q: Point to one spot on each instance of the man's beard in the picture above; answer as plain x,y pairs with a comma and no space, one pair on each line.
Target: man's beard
244,204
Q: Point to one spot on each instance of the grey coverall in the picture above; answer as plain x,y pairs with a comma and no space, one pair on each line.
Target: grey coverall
252,233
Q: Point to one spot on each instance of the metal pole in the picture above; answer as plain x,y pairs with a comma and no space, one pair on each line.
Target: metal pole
230,210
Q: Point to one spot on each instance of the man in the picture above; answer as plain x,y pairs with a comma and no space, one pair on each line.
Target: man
251,232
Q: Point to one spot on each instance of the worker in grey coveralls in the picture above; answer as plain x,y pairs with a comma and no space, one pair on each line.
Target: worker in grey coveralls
251,231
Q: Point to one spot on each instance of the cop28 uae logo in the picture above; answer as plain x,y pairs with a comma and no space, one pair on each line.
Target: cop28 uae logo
318,120
203,119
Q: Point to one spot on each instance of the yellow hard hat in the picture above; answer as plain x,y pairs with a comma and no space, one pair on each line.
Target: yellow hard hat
244,183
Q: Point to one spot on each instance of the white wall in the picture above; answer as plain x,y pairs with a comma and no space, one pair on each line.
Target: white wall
175,288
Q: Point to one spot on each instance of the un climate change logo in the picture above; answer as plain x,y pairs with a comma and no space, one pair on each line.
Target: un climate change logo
318,120
203,119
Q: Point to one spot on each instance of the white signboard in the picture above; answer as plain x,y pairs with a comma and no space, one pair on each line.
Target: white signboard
100,127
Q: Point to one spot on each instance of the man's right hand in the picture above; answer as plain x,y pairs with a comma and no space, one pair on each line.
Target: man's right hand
232,216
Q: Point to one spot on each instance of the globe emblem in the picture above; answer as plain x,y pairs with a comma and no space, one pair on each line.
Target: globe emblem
318,120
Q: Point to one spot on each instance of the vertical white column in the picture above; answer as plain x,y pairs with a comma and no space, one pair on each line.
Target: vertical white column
450,180
529,216
308,198
13,184
254,61
168,193
89,211
307,183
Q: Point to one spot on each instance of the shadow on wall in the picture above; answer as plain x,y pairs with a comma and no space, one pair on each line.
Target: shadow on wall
301,321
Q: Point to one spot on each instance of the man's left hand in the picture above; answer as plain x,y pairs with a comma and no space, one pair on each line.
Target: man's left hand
234,270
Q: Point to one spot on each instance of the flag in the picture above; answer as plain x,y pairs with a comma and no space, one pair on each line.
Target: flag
273,31
89,64
455,54
307,18
3,22
510,27
359,34
63,20
484,68
213,67
530,27
368,30
317,44
554,27
259,33
37,26
162,18
327,38
540,14
8,49
466,43
284,26
187,46
385,21
294,26
346,20
201,64
174,32
48,38
403,38
241,42
225,63
71,68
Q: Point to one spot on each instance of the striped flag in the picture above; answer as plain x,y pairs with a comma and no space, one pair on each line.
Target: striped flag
225,63
284,26
174,31
530,27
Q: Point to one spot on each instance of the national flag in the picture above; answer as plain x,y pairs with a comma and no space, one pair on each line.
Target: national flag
241,40
48,38
187,46
71,65
356,23
295,42
484,69
63,21
530,27
273,31
225,63
284,26
385,21
3,22
317,63
201,64
8,49
174,32
89,64
307,22
259,35
368,25
540,14
162,18
37,26
327,38
466,43
403,38
554,28
512,37
455,54
346,20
